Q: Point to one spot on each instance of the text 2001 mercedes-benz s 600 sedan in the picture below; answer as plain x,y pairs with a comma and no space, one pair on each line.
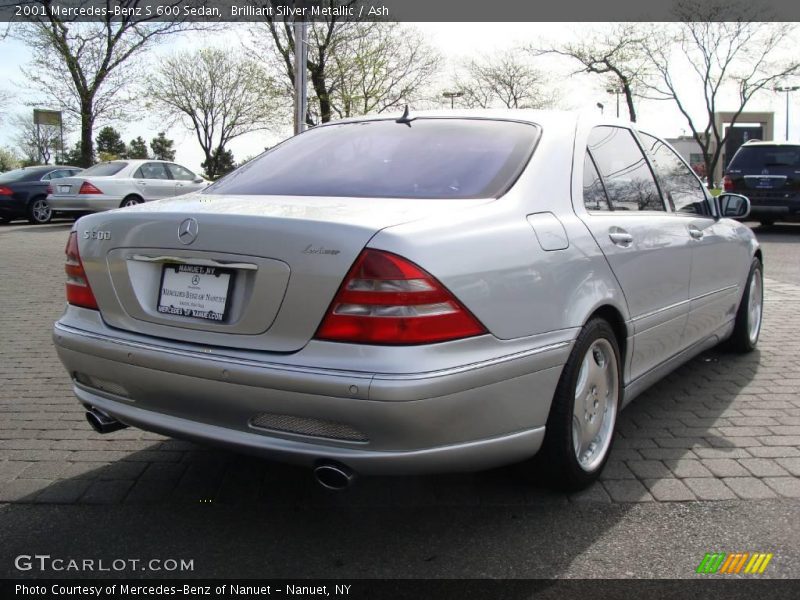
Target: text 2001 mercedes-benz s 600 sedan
439,292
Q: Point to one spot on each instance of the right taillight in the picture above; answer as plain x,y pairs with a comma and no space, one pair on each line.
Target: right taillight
6,191
88,188
386,299
727,183
79,293
49,190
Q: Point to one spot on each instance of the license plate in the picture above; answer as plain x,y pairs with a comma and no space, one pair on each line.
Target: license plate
764,183
195,291
64,189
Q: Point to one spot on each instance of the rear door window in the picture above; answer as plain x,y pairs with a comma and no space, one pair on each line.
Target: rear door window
423,158
628,180
594,194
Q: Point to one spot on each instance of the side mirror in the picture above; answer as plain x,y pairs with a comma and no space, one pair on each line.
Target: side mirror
198,180
734,206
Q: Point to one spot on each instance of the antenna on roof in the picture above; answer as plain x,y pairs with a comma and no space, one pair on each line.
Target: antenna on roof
405,118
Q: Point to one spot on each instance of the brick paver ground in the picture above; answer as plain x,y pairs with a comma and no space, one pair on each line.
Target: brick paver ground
721,427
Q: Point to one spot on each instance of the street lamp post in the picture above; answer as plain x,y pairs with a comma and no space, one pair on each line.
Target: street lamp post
787,89
616,91
452,96
300,74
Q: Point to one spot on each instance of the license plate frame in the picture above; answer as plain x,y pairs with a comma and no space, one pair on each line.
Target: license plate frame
189,306
64,189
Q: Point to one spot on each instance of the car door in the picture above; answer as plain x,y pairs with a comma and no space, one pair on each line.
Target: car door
717,252
153,181
647,249
185,180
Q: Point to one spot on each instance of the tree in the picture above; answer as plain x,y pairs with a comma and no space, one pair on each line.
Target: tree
217,93
110,145
8,160
73,155
504,79
719,63
220,163
37,143
615,53
353,67
137,148
78,65
161,146
379,67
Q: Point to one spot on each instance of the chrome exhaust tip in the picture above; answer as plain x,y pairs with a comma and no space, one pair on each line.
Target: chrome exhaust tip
334,477
101,422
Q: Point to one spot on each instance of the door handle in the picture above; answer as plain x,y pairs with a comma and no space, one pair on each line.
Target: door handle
620,237
141,182
695,232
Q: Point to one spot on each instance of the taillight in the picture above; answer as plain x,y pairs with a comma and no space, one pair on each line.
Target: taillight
727,183
88,188
386,299
78,291
49,190
6,191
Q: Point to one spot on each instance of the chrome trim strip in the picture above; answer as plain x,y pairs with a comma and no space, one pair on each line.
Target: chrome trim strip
682,302
217,358
206,262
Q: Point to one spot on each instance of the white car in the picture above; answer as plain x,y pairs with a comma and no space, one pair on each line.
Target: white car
121,183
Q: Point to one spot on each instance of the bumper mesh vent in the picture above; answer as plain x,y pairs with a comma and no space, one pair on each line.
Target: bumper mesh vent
306,426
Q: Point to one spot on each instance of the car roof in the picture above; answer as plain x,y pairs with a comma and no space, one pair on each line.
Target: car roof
37,168
772,143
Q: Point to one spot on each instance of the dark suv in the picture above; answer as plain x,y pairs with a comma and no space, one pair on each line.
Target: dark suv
769,174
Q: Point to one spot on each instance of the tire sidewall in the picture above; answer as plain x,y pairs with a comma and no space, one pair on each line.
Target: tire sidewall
31,215
559,424
743,316
130,201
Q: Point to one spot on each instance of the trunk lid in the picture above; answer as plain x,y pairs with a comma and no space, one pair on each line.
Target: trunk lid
284,258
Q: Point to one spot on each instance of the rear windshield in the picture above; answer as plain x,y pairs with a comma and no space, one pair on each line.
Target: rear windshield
104,169
759,157
426,158
20,174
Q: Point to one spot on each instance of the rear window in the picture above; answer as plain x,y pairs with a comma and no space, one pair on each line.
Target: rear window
758,157
20,174
105,169
426,158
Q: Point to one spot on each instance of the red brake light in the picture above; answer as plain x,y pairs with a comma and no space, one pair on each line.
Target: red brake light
386,299
88,188
78,291
49,190
727,183
6,191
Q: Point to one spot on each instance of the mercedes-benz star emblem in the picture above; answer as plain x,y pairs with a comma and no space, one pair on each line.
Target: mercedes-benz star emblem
187,231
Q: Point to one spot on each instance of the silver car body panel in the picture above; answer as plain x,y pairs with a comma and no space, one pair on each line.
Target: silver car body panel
532,266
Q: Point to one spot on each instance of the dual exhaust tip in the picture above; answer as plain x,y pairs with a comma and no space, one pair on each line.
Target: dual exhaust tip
330,475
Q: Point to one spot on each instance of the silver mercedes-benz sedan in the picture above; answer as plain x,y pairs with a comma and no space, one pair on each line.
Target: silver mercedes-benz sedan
439,292
120,183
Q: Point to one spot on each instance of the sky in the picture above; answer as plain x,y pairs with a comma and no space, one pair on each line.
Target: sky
455,41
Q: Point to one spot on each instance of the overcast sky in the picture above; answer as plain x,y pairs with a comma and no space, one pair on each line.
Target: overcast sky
456,41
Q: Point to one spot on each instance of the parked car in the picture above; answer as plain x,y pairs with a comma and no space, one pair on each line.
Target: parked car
768,173
442,292
121,183
23,192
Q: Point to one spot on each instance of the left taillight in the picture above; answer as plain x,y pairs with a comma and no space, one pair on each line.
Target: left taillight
6,191
79,293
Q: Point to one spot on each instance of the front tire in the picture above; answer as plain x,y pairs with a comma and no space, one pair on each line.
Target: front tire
747,327
39,211
580,427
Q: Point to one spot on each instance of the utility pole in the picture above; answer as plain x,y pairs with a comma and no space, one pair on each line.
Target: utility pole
787,89
300,72
616,91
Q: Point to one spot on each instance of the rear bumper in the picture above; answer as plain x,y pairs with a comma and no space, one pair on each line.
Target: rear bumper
774,205
86,203
464,419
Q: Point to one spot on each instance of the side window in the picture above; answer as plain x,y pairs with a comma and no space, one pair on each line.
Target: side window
629,183
678,181
594,195
152,171
60,174
181,173
48,176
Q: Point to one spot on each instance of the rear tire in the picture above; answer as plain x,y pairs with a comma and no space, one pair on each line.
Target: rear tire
39,211
580,427
130,201
747,327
